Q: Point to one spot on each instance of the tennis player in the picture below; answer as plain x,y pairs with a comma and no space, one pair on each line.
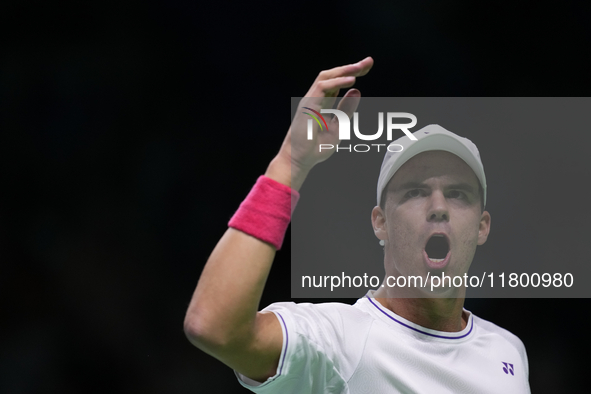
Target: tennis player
429,218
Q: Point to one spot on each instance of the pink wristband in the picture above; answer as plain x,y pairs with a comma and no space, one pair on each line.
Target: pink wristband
266,211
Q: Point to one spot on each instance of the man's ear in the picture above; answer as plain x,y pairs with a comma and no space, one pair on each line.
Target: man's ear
484,227
378,221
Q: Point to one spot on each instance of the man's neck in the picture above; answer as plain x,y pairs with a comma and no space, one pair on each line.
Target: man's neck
442,314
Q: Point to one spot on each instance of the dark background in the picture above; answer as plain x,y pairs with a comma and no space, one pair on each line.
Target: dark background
132,131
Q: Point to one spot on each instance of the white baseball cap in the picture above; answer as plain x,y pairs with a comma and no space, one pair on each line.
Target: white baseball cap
429,138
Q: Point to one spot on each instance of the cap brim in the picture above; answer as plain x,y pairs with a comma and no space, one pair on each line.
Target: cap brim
431,142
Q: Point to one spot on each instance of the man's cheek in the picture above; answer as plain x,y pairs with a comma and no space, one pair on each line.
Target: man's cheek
401,235
469,248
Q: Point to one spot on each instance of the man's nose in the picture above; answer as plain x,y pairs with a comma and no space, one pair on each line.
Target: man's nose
438,210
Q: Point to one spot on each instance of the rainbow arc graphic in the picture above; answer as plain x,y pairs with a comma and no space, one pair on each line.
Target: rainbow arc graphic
316,119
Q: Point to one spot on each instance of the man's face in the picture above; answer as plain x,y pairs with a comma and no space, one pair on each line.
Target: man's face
432,221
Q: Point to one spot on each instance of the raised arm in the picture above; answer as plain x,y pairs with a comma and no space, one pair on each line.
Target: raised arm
222,318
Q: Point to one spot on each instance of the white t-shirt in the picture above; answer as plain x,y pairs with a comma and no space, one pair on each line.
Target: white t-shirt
366,348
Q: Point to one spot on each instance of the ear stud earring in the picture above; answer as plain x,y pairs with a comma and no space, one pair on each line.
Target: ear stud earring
382,242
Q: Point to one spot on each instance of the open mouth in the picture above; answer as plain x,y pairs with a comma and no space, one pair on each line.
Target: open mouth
437,248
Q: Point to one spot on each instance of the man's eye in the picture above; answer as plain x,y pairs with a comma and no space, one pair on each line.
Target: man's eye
456,194
414,193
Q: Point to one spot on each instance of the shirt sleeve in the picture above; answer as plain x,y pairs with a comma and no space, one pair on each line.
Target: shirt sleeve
314,358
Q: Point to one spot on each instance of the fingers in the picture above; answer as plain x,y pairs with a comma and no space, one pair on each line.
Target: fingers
356,70
329,82
326,87
329,87
350,102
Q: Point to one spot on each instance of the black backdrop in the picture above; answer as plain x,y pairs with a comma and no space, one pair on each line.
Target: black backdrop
132,131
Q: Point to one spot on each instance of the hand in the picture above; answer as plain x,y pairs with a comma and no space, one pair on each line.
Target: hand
303,154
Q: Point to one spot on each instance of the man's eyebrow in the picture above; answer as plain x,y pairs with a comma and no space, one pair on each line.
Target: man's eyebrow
462,186
411,185
418,185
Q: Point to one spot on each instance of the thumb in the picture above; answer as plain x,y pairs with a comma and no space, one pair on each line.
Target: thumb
350,102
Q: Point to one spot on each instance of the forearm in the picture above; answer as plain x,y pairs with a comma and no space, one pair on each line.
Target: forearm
282,170
224,307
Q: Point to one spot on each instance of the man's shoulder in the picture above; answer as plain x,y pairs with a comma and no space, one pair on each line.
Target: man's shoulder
488,328
336,330
337,311
328,322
